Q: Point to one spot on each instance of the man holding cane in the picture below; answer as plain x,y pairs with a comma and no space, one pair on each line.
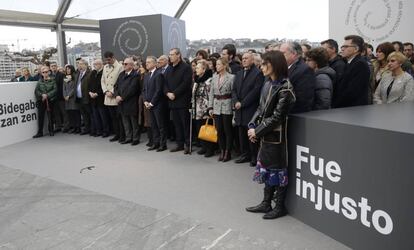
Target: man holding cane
45,93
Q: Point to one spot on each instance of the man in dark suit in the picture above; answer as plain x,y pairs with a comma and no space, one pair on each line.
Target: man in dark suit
352,89
126,93
229,52
178,91
154,100
82,95
61,117
164,67
301,76
336,62
96,99
245,98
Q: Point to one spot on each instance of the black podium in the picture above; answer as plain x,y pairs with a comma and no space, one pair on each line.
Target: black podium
351,174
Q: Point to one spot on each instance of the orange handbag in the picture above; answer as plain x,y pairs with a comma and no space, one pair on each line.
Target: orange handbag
208,132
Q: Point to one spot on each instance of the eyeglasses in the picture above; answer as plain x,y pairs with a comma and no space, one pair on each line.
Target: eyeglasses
125,64
347,46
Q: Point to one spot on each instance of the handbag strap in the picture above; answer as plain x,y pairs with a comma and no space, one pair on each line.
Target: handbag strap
214,122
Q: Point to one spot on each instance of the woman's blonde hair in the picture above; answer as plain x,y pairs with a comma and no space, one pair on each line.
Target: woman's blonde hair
225,63
397,55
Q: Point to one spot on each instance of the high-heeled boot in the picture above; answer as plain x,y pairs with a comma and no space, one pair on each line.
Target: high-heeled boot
227,156
221,157
266,205
279,210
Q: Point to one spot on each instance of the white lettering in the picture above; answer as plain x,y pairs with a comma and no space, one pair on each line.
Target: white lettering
333,168
387,228
349,210
300,158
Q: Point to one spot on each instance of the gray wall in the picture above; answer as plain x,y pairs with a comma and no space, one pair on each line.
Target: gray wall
375,164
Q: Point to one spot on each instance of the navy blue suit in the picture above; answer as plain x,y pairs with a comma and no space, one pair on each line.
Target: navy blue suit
303,80
153,93
246,90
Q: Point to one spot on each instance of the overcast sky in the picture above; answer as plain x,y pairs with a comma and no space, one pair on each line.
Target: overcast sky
204,19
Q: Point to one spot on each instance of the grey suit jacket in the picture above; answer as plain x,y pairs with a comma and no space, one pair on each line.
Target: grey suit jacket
402,89
223,106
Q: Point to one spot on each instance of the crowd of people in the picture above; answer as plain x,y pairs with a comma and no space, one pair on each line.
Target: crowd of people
249,97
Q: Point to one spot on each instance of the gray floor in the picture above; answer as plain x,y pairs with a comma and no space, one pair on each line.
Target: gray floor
177,201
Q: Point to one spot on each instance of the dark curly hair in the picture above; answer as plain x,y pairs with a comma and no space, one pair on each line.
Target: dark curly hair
319,56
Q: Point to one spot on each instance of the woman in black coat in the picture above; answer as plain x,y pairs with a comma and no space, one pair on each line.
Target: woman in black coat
269,125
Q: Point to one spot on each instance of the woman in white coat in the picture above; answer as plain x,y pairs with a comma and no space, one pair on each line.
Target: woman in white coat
398,86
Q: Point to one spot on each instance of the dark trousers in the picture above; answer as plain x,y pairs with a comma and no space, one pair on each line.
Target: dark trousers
42,110
224,131
169,125
131,127
181,120
74,118
116,120
208,146
60,114
247,148
159,134
86,112
100,118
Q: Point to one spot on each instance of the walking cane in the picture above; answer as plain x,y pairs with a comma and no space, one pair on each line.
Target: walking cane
191,131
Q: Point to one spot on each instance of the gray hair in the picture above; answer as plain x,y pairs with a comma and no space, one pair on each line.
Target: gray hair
153,58
84,62
295,48
163,57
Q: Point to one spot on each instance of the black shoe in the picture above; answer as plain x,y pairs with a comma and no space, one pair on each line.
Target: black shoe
149,144
51,133
242,159
186,150
125,141
84,132
163,148
57,130
209,154
38,135
176,149
71,131
65,130
134,143
263,207
201,151
104,135
93,135
115,138
153,147
275,213
253,164
77,131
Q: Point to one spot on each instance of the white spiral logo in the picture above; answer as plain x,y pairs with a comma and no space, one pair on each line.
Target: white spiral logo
375,20
175,35
131,37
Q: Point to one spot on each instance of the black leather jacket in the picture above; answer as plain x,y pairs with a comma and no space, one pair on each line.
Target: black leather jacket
270,122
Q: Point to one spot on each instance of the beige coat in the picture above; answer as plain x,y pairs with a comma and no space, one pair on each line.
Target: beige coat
109,77
402,89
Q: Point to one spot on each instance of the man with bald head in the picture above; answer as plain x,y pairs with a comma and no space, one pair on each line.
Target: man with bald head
301,76
245,100
96,95
127,91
